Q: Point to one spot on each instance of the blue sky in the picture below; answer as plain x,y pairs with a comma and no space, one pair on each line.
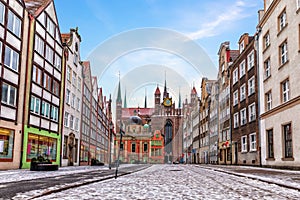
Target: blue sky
205,22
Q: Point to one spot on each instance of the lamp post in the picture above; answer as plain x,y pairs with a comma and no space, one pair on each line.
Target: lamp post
111,125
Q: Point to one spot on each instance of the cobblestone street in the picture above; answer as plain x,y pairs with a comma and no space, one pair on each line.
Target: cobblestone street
178,182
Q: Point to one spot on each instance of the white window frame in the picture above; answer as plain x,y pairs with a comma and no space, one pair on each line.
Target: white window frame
283,53
235,76
244,143
74,78
285,86
72,122
68,92
11,93
242,46
79,83
268,101
66,119
267,67
251,86
267,40
13,59
282,20
14,24
235,97
45,111
54,113
76,124
68,73
78,104
252,138
49,54
243,92
252,112
242,68
57,62
250,60
73,100
243,113
39,45
2,12
50,27
35,103
236,120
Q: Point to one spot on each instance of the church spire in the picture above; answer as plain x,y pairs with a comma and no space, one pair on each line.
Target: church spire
145,97
179,101
165,88
125,100
119,98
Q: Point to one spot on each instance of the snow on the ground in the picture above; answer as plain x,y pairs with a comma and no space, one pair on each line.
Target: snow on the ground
177,182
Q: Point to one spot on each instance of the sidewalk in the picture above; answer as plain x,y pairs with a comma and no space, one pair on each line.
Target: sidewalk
280,177
25,174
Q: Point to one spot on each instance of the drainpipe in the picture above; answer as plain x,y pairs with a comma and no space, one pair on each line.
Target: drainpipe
258,32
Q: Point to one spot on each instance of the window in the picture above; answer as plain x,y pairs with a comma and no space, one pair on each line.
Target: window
54,113
66,119
145,147
36,75
282,20
9,94
39,45
50,26
6,142
235,120
235,76
267,40
45,109
35,105
79,84
57,62
68,96
14,24
78,104
288,141
68,73
49,54
11,59
251,86
285,91
47,82
267,66
243,117
74,79
133,147
72,122
270,143
75,59
77,124
242,46
243,92
268,101
298,4
235,97
283,53
242,69
250,59
244,143
41,146
55,88
73,100
252,112
252,142
2,13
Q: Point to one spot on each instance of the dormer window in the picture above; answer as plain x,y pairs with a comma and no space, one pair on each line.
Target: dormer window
242,46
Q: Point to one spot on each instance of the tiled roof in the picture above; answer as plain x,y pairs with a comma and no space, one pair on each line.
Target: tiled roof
234,54
127,112
65,37
36,6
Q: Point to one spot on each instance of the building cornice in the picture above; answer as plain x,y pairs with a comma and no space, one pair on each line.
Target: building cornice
268,13
293,102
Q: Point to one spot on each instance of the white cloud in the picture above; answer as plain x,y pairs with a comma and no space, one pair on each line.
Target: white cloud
225,16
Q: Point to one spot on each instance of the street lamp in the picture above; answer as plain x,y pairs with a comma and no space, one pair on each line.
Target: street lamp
111,126
118,161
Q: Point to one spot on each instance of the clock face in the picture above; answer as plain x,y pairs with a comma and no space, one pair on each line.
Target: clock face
167,102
